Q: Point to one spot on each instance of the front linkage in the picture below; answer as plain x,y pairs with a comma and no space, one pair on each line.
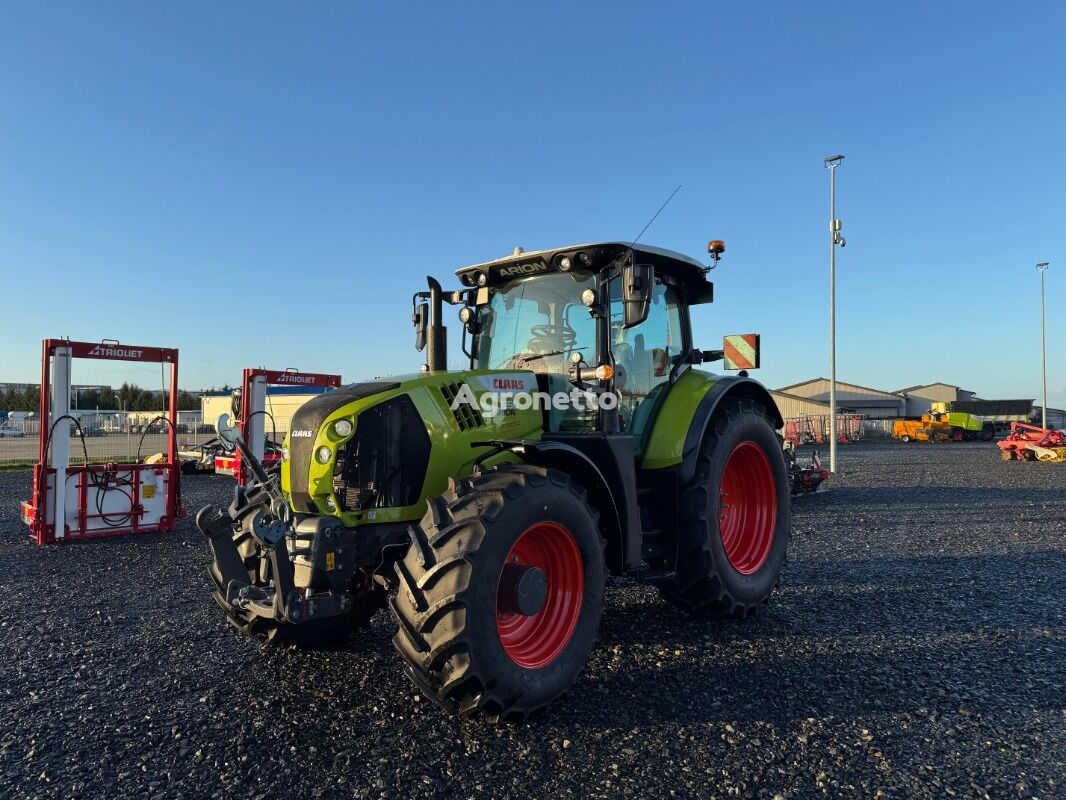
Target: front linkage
277,571
321,543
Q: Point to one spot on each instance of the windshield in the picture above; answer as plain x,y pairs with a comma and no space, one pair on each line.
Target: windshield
536,323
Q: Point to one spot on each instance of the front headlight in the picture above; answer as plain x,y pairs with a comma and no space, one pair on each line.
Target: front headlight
323,455
342,427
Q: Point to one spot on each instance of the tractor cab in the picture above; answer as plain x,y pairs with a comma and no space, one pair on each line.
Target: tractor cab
561,314
608,318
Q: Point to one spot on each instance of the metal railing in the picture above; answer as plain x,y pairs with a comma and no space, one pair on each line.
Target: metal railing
118,437
814,429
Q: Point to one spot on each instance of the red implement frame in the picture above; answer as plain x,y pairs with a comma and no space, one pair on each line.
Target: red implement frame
1024,437
285,377
35,512
815,429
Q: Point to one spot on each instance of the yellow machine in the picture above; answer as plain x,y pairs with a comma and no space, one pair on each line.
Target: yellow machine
942,424
932,427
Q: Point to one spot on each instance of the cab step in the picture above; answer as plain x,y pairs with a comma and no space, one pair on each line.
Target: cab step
655,577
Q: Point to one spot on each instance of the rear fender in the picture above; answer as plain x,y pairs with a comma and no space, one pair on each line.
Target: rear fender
687,412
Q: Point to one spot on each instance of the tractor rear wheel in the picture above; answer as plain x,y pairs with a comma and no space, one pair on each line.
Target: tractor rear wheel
734,518
499,595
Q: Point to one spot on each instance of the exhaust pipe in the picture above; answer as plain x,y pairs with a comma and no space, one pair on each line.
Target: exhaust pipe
437,334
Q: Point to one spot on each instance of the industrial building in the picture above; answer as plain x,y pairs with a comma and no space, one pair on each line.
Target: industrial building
872,403
793,406
811,398
1056,417
921,397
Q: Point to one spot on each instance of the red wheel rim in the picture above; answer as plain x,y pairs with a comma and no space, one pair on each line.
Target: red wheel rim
536,640
747,513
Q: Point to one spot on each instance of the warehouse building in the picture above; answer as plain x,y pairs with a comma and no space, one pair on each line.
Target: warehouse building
1056,417
921,397
811,398
792,406
872,403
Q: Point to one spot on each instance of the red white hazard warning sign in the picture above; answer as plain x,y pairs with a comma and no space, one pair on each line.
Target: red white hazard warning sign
741,351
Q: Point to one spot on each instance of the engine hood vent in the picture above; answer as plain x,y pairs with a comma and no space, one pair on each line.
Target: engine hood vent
467,416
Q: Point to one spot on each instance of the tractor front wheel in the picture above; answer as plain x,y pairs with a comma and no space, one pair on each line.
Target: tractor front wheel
499,595
735,518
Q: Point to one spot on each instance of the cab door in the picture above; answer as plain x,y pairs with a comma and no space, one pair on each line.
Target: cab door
645,356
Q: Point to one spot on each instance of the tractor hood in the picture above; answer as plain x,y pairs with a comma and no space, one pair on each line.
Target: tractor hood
374,451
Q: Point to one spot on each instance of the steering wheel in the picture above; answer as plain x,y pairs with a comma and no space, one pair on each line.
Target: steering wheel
562,333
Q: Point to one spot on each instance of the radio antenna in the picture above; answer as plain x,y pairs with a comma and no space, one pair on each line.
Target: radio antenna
656,214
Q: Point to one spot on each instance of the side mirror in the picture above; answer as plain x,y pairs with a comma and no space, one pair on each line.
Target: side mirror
637,282
227,431
420,319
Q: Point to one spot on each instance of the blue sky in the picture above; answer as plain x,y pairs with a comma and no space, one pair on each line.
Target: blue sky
267,183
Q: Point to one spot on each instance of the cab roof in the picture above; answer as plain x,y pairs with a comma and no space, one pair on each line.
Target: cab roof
592,258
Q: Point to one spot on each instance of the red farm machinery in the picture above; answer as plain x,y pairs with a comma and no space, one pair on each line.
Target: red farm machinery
88,500
252,412
1032,443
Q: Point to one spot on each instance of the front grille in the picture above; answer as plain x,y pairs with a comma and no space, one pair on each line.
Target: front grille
467,416
384,464
311,416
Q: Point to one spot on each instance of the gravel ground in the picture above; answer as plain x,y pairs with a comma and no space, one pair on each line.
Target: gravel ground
917,648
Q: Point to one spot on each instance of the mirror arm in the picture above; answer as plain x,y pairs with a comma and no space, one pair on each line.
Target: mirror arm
228,432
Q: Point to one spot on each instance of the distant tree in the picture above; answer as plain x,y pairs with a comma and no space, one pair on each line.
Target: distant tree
30,400
127,396
140,400
88,398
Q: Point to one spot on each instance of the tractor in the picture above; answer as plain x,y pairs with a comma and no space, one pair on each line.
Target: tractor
486,507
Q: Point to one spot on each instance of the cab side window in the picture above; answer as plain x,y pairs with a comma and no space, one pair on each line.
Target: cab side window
645,354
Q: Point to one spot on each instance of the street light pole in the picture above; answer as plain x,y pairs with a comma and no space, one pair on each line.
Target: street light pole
1042,268
832,162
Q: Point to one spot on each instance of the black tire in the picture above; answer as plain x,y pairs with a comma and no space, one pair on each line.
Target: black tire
449,585
707,583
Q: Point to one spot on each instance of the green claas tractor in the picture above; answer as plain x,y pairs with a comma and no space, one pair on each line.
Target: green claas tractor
485,507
